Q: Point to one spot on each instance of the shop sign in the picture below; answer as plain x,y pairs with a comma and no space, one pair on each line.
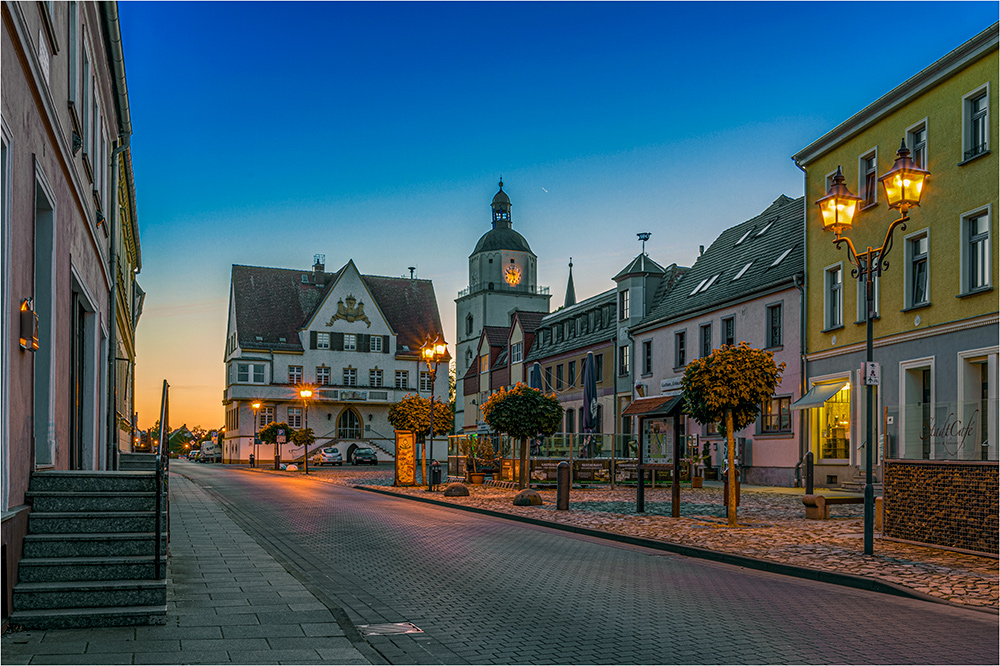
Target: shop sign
353,395
671,386
953,434
593,470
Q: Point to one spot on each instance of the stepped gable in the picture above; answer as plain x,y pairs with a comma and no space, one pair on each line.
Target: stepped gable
759,242
410,307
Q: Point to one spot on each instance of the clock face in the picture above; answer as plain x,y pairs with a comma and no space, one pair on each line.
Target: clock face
512,274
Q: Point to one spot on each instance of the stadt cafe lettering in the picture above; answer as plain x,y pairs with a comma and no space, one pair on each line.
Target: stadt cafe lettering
952,429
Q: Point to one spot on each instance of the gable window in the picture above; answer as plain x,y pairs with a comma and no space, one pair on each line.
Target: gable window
484,363
976,123
774,325
916,286
776,415
916,139
323,376
623,305
623,361
729,331
647,357
425,380
571,374
375,378
266,416
402,379
599,367
976,250
515,352
680,351
833,297
350,377
349,425
868,178
706,340
295,374
375,343
350,341
294,417
250,373
322,341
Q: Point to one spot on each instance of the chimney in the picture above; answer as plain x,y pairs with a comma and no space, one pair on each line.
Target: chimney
319,265
412,269
701,250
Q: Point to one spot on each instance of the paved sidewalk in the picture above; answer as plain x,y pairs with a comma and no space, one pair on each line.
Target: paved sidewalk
228,601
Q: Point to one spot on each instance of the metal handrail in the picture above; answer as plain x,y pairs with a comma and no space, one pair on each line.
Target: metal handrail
162,467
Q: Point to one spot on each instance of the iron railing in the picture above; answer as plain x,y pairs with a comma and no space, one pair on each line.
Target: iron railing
162,469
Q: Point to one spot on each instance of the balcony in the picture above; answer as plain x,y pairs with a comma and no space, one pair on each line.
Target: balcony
503,287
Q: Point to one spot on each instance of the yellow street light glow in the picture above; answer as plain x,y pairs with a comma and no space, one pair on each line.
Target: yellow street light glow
905,181
306,393
838,206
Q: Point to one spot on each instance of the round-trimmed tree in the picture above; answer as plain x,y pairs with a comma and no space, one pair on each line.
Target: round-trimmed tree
523,412
413,413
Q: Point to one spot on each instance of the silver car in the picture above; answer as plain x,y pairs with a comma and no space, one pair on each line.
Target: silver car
328,456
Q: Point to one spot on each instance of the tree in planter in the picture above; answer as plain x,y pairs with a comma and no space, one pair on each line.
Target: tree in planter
269,433
728,387
413,413
523,412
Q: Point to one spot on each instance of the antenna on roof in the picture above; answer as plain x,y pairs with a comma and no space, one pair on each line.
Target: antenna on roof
412,270
644,236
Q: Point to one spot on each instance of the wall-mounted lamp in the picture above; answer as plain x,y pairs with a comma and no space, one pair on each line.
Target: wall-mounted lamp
29,326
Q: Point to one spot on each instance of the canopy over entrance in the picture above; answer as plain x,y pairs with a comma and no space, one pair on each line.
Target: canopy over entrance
818,394
661,405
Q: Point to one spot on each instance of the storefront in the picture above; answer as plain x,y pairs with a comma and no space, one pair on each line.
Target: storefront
831,421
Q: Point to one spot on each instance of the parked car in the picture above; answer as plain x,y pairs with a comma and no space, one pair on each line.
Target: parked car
364,457
328,456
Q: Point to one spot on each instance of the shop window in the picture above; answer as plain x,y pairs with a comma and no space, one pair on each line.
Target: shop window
833,420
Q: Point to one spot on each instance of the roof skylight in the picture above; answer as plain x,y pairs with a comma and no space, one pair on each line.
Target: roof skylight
742,271
698,288
766,227
744,236
712,281
783,255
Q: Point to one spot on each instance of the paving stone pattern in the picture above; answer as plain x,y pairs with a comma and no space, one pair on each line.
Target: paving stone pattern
487,590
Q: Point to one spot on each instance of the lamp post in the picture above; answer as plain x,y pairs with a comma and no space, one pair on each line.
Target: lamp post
432,353
903,185
256,429
305,394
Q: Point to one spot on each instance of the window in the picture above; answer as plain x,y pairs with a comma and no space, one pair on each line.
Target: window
559,377
85,102
348,425
976,250
571,374
250,373
706,340
834,297
266,416
294,417
323,376
402,379
484,363
774,325
74,47
916,270
742,271
729,331
350,377
916,139
976,123
680,353
868,178
468,325
781,257
375,378
647,357
623,305
322,341
375,343
599,367
569,421
623,361
350,341
295,374
744,236
548,378
515,352
776,415
425,381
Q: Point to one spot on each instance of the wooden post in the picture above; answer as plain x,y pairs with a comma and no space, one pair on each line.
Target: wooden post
731,455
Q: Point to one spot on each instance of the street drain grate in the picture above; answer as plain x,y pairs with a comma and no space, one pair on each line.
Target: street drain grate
390,629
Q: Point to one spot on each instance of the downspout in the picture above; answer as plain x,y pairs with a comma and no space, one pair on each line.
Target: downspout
803,329
113,46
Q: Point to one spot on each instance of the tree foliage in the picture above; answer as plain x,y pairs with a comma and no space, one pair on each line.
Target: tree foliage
269,433
737,378
523,412
413,413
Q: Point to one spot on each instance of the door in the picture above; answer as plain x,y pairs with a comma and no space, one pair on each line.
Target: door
76,383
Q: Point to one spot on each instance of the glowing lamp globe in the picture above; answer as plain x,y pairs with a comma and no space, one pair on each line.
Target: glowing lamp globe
904,183
838,206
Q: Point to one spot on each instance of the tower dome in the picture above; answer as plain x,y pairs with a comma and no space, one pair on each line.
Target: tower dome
502,236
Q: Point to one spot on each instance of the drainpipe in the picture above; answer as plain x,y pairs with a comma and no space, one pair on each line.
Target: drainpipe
800,284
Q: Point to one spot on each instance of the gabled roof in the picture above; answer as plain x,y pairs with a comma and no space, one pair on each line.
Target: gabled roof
529,320
639,266
275,303
578,341
742,261
496,336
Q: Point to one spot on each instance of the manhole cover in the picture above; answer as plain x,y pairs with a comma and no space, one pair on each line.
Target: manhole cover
390,629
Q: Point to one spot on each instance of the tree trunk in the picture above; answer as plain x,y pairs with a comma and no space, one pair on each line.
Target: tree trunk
423,461
731,455
522,477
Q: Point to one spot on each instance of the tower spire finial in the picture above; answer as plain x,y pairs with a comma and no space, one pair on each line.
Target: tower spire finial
644,236
570,290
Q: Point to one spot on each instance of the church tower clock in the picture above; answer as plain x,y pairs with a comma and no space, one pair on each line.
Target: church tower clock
502,278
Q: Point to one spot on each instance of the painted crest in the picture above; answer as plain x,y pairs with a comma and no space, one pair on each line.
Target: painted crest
351,312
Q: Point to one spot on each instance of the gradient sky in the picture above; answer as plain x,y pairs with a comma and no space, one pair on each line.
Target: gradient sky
265,133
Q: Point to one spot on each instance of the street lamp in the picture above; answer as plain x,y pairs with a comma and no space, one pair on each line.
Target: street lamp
306,393
432,352
903,186
256,430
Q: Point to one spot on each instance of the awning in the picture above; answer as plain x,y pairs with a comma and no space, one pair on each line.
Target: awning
661,405
818,394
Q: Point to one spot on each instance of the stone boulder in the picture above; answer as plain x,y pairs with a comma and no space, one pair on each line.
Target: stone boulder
456,489
527,498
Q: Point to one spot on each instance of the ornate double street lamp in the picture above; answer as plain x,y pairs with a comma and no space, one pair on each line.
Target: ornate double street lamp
903,185
432,352
256,430
305,393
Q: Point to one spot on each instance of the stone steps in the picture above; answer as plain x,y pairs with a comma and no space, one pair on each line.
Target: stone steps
89,593
137,461
55,569
95,482
68,501
119,544
72,618
76,522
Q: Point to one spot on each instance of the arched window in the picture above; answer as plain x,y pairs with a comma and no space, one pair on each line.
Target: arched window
349,425
468,324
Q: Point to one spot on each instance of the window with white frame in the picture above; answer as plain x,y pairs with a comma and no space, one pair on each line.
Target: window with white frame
250,373
402,379
868,178
833,297
266,416
776,415
323,376
425,380
294,417
350,341
916,140
295,374
375,378
623,305
375,343
917,285
976,257
976,122
515,352
680,350
623,361
322,341
728,331
774,325
350,377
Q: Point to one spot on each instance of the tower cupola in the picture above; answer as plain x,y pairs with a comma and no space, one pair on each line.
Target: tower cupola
501,209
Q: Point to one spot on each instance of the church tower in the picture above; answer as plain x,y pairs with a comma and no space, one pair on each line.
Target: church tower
502,279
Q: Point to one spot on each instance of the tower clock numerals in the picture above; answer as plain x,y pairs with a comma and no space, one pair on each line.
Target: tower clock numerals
512,274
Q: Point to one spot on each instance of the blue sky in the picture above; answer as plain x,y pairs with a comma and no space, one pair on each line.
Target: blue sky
264,133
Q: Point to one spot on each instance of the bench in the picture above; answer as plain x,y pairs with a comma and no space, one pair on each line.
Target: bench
818,506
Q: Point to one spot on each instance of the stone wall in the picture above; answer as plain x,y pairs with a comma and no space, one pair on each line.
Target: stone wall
943,503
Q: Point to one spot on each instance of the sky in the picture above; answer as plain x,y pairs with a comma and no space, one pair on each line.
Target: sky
267,132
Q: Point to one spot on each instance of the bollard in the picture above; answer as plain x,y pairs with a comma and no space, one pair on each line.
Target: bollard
277,462
809,473
435,474
562,486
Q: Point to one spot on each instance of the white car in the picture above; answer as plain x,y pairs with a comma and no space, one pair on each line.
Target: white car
328,456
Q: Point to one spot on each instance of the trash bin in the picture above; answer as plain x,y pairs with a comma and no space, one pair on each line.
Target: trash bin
725,491
435,473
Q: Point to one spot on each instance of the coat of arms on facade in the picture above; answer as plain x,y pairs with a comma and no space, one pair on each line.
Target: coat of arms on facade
352,311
